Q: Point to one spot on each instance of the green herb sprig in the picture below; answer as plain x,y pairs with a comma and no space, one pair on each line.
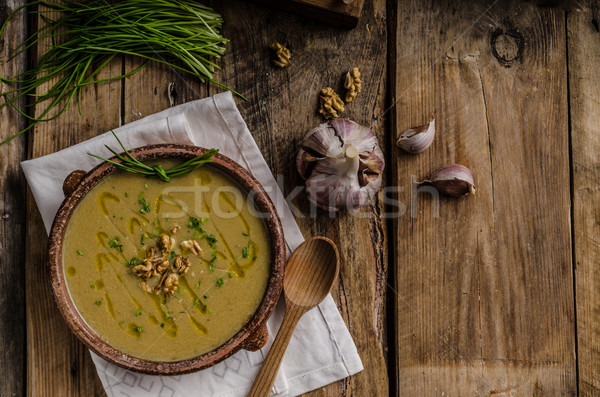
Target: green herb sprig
81,38
131,164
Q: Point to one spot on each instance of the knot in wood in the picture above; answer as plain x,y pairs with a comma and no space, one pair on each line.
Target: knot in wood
507,47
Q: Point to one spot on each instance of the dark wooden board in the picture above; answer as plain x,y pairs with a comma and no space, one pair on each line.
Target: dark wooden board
330,12
485,298
12,220
583,38
482,301
281,108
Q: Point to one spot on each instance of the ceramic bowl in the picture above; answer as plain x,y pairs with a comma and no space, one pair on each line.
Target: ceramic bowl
252,336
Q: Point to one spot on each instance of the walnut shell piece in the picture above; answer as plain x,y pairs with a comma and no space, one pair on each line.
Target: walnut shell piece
331,103
282,55
353,84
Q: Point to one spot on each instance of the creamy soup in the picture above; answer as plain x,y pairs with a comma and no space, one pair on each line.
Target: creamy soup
166,271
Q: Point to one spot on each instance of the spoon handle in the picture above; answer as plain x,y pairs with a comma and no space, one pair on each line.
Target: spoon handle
266,376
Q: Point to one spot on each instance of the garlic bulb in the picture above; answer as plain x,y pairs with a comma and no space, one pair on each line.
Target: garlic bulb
416,140
454,180
342,164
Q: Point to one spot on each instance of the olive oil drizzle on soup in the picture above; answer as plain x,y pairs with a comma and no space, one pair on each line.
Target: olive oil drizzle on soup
115,263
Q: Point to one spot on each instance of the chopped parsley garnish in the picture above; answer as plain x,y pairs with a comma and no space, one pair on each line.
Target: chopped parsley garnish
80,252
205,296
245,234
138,312
196,302
172,255
196,235
162,325
220,282
142,240
116,243
254,258
246,251
139,330
145,205
214,258
126,195
92,286
154,222
193,223
198,285
98,303
167,315
134,262
212,240
153,235
230,275
146,185
211,268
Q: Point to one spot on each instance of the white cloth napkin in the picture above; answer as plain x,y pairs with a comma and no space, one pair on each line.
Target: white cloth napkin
321,350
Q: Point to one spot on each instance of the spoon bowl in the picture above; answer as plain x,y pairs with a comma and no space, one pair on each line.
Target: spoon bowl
311,271
309,275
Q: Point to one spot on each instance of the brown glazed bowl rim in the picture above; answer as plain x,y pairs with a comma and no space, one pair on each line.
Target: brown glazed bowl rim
252,336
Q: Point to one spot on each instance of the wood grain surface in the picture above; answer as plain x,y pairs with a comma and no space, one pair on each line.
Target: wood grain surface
281,108
12,219
494,294
485,298
583,39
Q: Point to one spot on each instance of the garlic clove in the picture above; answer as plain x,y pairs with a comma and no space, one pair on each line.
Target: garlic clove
373,160
342,164
305,162
418,139
453,180
361,137
323,140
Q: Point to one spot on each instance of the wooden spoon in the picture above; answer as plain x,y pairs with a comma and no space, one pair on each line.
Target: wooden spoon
309,275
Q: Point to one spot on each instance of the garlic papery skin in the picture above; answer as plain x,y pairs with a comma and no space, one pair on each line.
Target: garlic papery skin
453,180
342,164
418,139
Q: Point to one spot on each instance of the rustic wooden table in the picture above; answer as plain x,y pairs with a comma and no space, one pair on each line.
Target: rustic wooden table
493,294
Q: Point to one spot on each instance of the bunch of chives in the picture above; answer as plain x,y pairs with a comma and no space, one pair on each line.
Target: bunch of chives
80,38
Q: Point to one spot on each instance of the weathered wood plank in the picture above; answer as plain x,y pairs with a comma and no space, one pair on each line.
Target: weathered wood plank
281,108
12,216
57,363
485,299
583,41
155,88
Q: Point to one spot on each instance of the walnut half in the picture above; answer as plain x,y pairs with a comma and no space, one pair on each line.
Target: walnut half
352,84
282,55
331,103
164,243
171,284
